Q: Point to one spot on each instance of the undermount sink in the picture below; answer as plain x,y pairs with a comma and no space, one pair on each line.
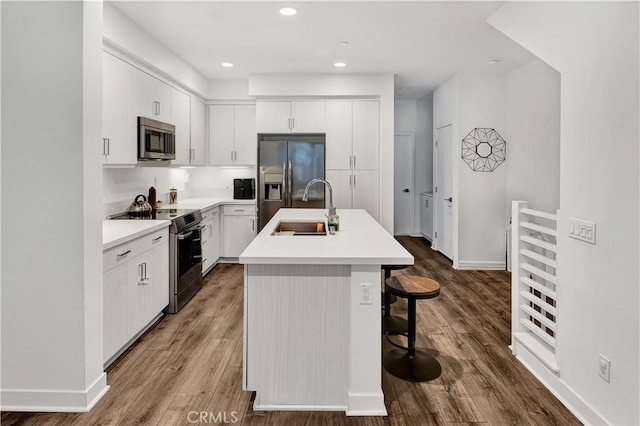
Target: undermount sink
300,228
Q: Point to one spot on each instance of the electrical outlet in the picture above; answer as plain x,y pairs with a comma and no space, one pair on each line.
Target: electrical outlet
366,296
604,367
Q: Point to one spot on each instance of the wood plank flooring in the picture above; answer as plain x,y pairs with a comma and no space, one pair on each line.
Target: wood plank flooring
192,362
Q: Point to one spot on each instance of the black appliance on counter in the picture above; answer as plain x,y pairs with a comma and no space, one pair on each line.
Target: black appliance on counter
185,254
244,189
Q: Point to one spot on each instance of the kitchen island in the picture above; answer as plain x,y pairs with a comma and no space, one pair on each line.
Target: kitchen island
312,319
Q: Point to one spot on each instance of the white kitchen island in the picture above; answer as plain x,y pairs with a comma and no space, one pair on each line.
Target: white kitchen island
312,320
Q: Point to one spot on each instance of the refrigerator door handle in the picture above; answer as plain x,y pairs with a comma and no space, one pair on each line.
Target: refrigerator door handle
290,184
284,182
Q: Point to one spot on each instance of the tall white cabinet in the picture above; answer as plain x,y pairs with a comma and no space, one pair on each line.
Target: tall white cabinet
232,135
352,154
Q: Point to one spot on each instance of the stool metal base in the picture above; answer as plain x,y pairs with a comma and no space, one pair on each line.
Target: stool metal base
421,367
394,324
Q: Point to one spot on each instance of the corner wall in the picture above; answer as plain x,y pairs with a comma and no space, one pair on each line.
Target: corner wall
51,347
595,47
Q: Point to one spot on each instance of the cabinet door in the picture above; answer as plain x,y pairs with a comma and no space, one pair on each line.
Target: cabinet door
163,96
115,308
197,132
158,280
426,218
366,134
238,233
341,182
140,303
221,134
214,236
181,118
119,117
246,138
339,134
273,116
308,116
365,191
146,95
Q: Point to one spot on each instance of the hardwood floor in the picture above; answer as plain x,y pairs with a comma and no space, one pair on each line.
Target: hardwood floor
192,362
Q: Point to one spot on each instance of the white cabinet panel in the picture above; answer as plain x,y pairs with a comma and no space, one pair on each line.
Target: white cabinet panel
139,300
197,133
339,134
426,216
154,97
366,134
119,115
273,116
115,282
308,116
158,279
210,238
181,118
233,138
341,181
245,135
365,191
221,134
238,233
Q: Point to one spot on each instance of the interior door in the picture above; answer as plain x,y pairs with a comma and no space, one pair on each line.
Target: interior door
403,197
444,195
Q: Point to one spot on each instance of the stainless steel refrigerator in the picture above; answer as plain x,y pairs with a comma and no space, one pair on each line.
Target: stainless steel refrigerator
286,163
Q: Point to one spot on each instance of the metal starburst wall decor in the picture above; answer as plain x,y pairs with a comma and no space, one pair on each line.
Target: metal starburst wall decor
483,149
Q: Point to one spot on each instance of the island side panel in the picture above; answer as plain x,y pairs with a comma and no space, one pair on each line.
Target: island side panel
297,336
365,397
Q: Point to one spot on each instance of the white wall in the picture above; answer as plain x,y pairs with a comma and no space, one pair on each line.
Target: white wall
344,85
417,117
533,125
481,195
595,47
229,89
128,37
52,313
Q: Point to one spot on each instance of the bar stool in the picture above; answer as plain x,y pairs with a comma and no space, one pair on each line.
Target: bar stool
392,324
406,362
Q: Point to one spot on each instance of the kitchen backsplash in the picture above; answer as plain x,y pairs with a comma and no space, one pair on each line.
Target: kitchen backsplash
121,185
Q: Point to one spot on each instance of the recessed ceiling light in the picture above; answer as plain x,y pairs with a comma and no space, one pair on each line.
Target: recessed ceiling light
493,61
288,11
339,64
227,64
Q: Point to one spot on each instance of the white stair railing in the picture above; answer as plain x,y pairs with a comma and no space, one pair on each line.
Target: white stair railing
534,282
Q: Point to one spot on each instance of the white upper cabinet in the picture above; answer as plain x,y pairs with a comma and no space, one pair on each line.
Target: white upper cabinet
366,135
197,132
291,117
181,118
245,135
154,97
339,134
232,135
119,118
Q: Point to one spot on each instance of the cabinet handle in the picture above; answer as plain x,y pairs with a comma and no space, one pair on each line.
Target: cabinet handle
123,254
204,260
293,123
354,181
157,239
354,162
157,108
104,146
289,123
145,270
108,146
231,152
253,225
351,161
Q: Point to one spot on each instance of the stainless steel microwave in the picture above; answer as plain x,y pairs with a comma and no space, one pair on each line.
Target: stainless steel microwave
156,140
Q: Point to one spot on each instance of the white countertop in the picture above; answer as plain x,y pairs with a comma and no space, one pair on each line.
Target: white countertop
116,232
204,203
360,241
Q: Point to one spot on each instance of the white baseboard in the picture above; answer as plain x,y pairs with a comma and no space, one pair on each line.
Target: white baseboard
301,407
480,265
366,404
54,401
583,411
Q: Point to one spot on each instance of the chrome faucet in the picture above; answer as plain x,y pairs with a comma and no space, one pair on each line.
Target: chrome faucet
305,197
333,218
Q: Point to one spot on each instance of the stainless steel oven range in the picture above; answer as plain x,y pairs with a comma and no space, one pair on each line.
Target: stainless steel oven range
185,253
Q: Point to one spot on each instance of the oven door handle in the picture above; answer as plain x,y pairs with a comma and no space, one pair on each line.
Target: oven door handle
184,236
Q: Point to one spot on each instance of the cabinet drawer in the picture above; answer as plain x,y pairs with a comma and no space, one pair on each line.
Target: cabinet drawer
120,254
239,210
209,214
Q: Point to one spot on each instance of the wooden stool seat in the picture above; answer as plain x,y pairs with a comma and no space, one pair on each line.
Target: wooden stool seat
413,286
406,362
391,323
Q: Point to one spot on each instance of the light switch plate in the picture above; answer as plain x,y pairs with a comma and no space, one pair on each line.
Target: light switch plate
366,295
582,230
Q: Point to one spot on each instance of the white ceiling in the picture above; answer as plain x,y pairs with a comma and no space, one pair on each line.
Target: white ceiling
422,43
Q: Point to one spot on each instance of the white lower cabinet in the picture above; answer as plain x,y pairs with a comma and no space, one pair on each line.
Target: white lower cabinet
135,289
426,215
210,238
239,228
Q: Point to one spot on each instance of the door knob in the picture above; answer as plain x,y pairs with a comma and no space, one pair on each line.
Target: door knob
450,199
405,190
